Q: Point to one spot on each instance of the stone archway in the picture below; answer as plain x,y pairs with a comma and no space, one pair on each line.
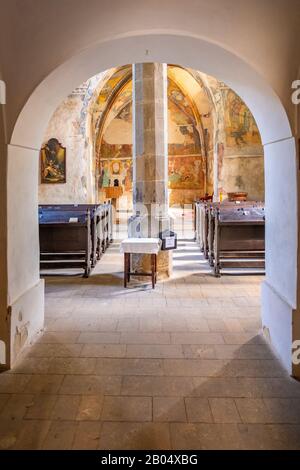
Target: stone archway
25,296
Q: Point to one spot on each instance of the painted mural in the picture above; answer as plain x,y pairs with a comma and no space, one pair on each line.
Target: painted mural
214,143
186,163
114,142
184,136
116,173
186,172
240,126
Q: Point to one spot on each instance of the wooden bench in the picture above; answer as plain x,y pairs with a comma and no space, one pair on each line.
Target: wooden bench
224,207
239,238
65,240
100,222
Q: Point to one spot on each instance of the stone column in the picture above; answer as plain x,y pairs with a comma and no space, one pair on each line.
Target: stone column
150,159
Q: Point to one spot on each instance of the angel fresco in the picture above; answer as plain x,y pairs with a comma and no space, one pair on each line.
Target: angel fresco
53,162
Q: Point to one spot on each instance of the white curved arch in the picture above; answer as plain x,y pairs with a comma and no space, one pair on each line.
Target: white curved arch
173,47
153,46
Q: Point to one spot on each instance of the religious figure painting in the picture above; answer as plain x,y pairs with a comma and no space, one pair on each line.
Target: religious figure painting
186,172
241,128
53,162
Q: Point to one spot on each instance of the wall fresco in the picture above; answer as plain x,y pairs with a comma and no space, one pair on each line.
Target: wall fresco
214,143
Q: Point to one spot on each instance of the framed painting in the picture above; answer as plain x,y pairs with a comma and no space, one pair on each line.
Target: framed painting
53,162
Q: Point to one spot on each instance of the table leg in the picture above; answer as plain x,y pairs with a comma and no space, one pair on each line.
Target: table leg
128,266
153,257
125,270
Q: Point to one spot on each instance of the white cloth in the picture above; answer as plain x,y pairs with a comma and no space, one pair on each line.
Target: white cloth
141,245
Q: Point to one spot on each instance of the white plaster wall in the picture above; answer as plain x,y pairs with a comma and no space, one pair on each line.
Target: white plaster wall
188,51
65,126
22,221
279,290
281,216
277,324
263,32
243,173
25,289
26,320
72,123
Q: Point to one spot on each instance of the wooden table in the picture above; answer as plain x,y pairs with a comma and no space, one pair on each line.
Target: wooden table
141,246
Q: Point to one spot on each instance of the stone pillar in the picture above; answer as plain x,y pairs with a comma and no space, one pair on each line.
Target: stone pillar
150,159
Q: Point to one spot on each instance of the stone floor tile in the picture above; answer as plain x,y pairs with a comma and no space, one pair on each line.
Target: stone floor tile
137,436
198,351
253,368
128,324
72,365
90,408
243,338
197,325
66,407
33,365
154,350
10,430
284,436
17,406
283,410
193,367
150,325
4,397
60,435
224,410
198,410
127,409
196,338
244,351
41,407
103,350
257,437
269,410
55,350
90,385
65,337
98,337
87,436
44,384
126,366
226,387
32,434
145,338
205,436
233,325
167,409
157,386
216,325
13,383
192,347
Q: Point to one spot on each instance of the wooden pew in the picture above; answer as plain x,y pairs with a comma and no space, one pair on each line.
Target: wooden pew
222,206
99,214
65,239
239,237
201,226
105,227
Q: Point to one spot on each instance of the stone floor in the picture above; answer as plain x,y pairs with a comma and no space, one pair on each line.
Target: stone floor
183,366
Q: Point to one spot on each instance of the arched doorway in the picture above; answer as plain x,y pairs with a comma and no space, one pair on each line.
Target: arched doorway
280,287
